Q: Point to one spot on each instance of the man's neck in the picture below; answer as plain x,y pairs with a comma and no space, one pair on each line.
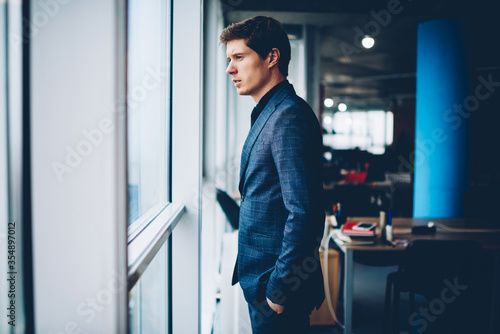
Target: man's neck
273,82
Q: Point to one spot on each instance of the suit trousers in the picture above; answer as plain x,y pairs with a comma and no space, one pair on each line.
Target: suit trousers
293,320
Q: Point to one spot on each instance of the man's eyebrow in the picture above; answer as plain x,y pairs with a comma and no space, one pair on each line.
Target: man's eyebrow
236,54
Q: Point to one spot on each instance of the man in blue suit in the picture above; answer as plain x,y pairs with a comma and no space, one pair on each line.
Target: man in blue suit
281,214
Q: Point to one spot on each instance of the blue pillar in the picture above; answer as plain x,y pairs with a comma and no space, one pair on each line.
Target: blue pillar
441,133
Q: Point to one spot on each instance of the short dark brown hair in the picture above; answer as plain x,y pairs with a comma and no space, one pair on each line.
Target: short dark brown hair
262,34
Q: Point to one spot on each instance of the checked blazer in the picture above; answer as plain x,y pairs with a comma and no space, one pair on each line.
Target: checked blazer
281,213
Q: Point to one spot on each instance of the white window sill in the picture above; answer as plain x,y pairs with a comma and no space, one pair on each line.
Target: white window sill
144,246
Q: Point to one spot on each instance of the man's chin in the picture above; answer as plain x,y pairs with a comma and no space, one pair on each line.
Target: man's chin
242,92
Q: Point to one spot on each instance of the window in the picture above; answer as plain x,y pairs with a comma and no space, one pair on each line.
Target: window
368,130
297,67
151,217
148,108
148,307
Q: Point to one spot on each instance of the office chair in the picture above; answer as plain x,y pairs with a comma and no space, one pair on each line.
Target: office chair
230,208
429,268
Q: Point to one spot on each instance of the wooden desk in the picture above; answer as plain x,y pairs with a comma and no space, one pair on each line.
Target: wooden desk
402,230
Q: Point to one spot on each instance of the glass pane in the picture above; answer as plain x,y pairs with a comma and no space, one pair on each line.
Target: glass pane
370,131
147,106
154,295
342,122
134,309
376,125
296,69
389,128
148,306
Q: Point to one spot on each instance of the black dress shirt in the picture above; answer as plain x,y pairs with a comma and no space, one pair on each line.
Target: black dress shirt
265,99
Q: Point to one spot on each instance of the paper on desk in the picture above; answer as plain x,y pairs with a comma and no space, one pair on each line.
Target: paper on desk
346,240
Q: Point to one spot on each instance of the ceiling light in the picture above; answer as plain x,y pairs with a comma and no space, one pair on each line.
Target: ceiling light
342,107
327,120
368,42
328,102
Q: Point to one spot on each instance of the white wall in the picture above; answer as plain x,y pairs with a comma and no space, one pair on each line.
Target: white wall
79,217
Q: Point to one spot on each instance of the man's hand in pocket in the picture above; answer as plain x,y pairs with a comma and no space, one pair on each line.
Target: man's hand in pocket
275,307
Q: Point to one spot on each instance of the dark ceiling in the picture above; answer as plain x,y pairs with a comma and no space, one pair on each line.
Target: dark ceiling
376,77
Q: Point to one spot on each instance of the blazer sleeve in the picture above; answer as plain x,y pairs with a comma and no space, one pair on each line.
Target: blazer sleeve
295,146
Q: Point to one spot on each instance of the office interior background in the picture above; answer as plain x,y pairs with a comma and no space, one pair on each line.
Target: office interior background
118,123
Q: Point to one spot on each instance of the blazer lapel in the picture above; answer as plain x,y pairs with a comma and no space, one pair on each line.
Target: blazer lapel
256,129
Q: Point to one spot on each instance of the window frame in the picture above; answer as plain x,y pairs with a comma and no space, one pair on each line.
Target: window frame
145,219
153,229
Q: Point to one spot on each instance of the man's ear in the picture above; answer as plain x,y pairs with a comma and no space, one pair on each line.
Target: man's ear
273,57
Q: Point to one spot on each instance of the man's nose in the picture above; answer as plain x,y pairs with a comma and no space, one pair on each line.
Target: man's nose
230,69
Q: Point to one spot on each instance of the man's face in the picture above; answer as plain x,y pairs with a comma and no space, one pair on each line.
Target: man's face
250,73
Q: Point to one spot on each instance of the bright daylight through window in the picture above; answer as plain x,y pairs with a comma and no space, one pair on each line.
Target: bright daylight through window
371,131
148,87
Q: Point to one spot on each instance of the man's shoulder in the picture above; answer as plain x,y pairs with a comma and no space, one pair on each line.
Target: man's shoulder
294,104
286,103
294,99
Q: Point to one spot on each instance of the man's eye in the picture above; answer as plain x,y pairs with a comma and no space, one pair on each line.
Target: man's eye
239,57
